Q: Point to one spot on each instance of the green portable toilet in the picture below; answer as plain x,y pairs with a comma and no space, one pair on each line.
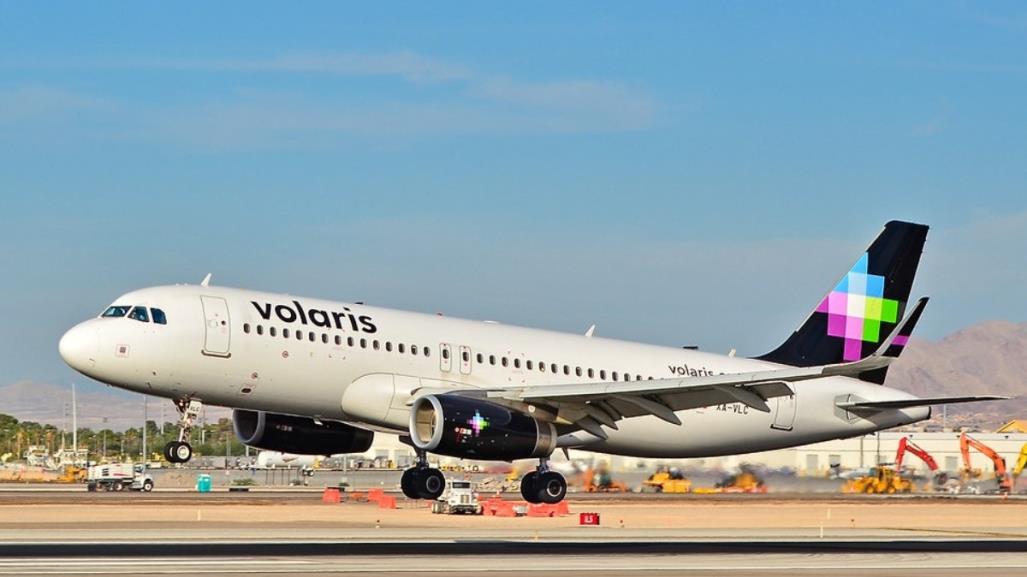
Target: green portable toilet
203,483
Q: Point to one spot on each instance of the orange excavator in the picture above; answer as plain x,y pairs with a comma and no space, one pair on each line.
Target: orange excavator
966,442
908,446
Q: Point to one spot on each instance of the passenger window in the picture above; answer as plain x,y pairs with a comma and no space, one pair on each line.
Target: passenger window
363,343
375,344
413,349
602,374
503,360
529,365
299,335
338,340
388,346
481,359
116,311
427,352
577,371
517,363
445,353
139,314
613,375
542,367
402,348
566,370
272,331
246,328
324,338
553,368
260,329
285,333
591,374
492,359
349,341
311,336
159,316
466,356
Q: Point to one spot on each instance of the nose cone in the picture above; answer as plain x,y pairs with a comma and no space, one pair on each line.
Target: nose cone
78,346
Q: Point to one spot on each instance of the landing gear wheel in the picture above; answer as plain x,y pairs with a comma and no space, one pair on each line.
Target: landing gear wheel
409,482
431,483
528,489
183,452
552,487
168,455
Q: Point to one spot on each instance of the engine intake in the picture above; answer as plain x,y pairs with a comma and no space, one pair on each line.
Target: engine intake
298,435
474,429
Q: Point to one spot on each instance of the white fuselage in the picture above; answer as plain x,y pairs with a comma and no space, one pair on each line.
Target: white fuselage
363,365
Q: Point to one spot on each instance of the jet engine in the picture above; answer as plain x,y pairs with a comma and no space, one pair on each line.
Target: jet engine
471,428
298,435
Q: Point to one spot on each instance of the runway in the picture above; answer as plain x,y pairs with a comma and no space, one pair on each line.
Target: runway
573,558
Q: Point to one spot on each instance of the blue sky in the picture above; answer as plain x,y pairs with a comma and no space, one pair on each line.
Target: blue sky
675,172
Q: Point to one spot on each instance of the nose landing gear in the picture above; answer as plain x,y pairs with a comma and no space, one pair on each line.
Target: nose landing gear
181,451
422,481
543,485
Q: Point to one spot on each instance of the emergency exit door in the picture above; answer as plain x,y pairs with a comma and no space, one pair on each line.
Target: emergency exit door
784,413
217,326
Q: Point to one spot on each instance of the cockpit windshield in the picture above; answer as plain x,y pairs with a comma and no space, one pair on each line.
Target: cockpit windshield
116,311
139,314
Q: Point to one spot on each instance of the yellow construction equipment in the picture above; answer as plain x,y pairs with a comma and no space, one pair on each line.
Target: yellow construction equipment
667,481
882,480
599,480
72,474
745,481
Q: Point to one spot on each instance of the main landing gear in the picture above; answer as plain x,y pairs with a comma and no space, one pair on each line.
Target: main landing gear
181,451
543,485
421,481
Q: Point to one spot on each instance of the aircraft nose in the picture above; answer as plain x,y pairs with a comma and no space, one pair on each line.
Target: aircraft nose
78,346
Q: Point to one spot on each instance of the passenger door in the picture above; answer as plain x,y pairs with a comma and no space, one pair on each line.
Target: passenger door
218,327
784,414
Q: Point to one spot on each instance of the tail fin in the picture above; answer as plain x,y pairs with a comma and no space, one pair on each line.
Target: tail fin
857,315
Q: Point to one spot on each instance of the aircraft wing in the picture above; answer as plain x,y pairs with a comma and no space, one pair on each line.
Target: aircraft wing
590,405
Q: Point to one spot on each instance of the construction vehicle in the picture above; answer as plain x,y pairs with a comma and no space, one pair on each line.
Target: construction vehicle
599,480
882,480
966,442
72,474
118,477
458,498
666,480
1021,462
938,477
744,481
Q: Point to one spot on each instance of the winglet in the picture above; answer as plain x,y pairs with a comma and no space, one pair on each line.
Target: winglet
206,280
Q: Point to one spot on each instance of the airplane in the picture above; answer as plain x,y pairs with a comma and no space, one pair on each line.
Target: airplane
318,377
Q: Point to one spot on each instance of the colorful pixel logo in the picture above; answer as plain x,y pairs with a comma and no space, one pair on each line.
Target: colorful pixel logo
478,423
856,308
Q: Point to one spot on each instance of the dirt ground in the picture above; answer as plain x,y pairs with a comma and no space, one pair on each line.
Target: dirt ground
934,514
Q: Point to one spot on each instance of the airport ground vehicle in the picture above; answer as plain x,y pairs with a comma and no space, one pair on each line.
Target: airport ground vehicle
458,497
599,480
666,480
938,477
119,477
966,442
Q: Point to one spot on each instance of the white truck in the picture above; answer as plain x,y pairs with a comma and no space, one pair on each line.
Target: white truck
458,497
118,477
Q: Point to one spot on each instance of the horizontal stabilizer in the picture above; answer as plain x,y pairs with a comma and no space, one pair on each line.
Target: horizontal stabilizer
908,403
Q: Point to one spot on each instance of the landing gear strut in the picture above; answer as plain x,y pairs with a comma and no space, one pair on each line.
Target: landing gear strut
181,451
422,481
543,485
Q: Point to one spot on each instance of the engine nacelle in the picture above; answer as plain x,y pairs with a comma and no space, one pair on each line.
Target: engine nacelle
298,435
474,429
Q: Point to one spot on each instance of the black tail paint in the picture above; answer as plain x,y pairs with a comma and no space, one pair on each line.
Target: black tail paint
864,307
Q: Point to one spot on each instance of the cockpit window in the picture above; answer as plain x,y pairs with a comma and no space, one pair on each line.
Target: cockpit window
115,311
159,317
139,314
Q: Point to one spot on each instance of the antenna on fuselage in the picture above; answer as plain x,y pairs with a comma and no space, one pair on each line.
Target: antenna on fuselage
206,280
591,330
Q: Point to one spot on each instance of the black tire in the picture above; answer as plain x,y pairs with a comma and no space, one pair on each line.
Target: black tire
119,486
147,486
431,484
409,483
169,456
182,452
552,487
528,489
